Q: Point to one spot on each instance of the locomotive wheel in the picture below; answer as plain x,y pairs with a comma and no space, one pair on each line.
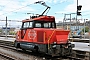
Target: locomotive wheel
35,49
16,44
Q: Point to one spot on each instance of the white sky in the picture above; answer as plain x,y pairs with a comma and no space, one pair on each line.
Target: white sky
17,9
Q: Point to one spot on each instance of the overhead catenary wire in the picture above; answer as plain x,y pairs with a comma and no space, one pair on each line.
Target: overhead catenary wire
20,8
16,9
2,6
12,20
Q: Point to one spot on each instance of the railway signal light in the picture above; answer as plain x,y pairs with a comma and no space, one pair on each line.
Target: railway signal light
78,9
78,13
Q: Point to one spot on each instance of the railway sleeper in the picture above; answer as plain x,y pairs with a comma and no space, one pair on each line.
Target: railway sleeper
6,56
75,58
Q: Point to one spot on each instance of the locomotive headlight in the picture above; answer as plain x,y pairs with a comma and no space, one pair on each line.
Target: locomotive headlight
54,45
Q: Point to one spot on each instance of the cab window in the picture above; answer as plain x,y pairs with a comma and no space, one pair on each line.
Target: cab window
44,24
38,25
30,24
53,25
27,25
47,25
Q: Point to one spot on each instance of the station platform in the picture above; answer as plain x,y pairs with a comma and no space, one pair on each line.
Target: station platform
7,39
12,36
81,46
78,39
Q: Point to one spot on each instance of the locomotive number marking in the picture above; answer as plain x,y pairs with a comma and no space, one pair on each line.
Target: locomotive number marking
32,34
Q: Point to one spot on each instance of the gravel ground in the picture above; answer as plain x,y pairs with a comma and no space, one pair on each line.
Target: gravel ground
19,56
2,58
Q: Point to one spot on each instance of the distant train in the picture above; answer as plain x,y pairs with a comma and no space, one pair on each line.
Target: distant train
39,34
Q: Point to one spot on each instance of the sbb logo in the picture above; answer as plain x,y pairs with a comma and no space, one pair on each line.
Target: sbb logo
32,34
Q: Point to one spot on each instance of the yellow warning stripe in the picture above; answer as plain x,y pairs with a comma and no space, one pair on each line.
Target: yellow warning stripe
50,38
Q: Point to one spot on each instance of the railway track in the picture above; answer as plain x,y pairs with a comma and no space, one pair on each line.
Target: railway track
9,45
7,57
12,36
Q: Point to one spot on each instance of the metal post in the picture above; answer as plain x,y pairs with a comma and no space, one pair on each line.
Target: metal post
6,26
70,22
76,16
64,20
89,41
70,27
69,19
89,48
84,28
63,24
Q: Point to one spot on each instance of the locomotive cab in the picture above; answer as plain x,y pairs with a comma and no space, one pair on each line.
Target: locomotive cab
39,23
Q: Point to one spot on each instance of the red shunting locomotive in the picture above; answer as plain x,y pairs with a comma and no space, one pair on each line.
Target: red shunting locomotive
40,34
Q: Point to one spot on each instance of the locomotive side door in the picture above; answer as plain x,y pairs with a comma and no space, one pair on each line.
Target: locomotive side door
25,26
